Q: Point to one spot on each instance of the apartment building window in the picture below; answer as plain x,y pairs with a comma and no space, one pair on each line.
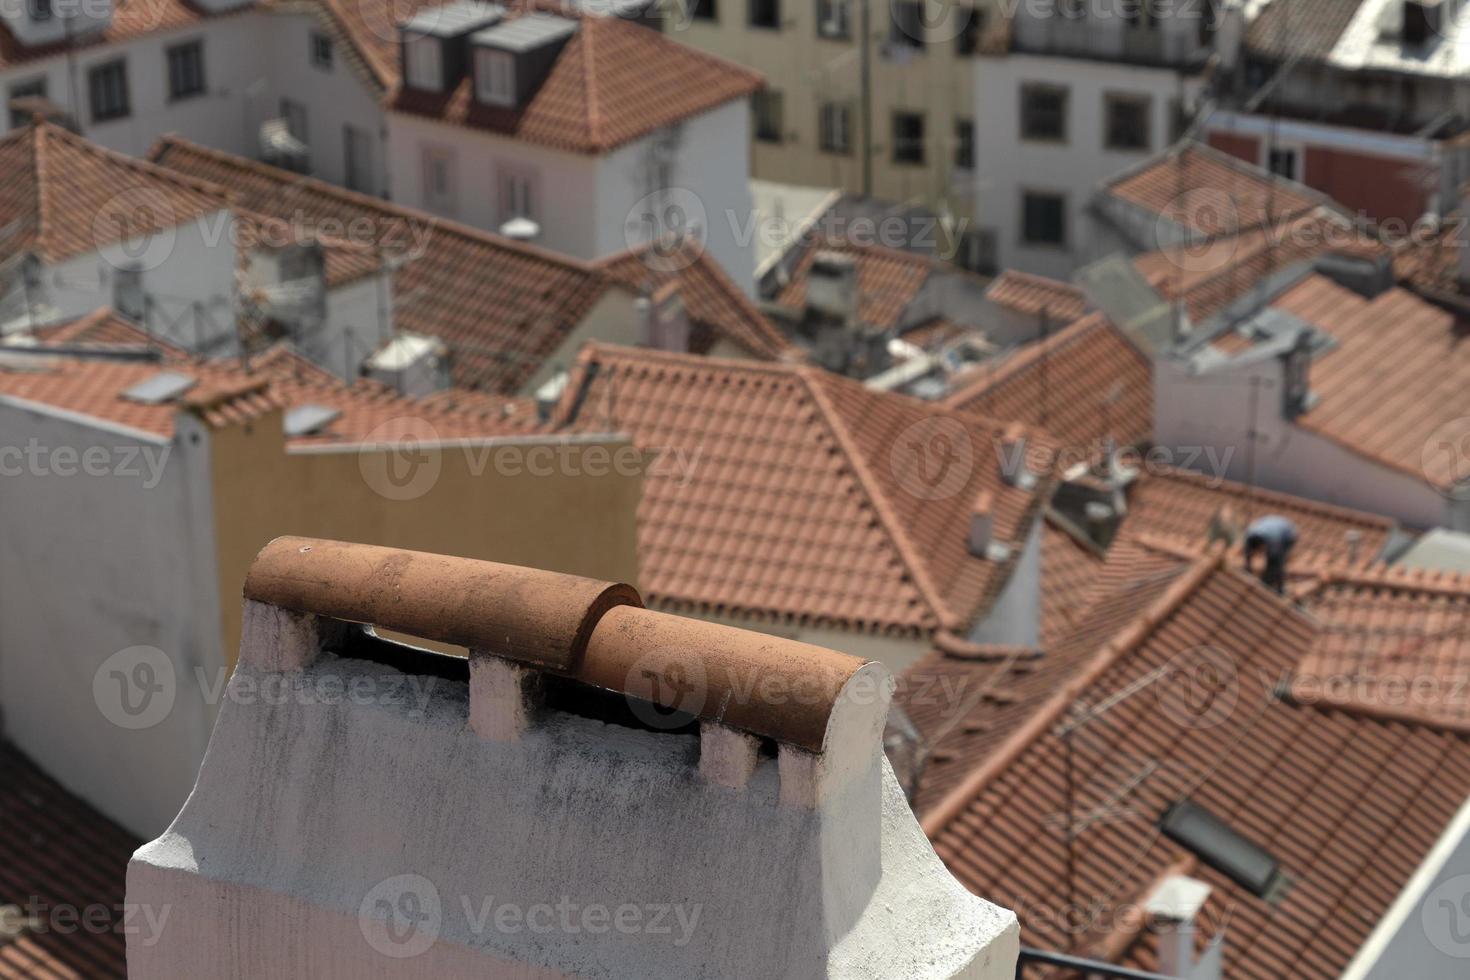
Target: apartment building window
517,194
107,86
908,137
908,23
765,13
1282,161
439,179
834,123
185,70
766,104
322,55
1044,113
495,77
967,41
1126,121
40,10
964,144
30,88
1043,218
357,162
704,10
425,71
295,115
834,19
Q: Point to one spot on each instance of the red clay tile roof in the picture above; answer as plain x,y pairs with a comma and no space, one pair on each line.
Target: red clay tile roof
502,307
227,394
888,280
968,703
55,852
1432,266
1394,385
62,196
1215,274
1083,384
1210,192
1305,29
132,19
102,328
1031,295
1349,805
1176,502
799,495
613,82
1394,643
1069,571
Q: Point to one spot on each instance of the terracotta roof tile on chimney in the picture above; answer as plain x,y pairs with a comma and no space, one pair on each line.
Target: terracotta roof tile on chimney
525,614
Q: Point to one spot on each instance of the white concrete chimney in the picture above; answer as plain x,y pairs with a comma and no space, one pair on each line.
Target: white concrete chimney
832,286
1174,910
598,790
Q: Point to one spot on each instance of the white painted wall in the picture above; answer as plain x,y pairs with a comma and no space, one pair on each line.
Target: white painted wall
1212,410
251,60
359,319
153,584
1007,164
584,202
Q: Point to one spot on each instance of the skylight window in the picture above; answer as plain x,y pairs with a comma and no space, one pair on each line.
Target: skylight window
307,420
162,387
1221,847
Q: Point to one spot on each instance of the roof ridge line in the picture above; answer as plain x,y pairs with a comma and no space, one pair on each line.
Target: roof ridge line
589,87
1025,355
1126,638
813,382
1168,472
37,168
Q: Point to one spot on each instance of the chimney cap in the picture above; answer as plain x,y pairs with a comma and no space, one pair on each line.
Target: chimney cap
1178,898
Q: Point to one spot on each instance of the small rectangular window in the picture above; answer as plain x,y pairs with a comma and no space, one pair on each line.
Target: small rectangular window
424,69
964,144
1126,122
357,149
495,77
517,195
439,180
834,123
1282,162
107,86
767,108
834,19
704,10
907,26
908,137
185,70
1044,113
1043,218
765,13
967,41
31,88
322,55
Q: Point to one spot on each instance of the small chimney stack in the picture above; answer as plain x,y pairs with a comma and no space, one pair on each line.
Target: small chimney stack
664,320
1174,910
1296,390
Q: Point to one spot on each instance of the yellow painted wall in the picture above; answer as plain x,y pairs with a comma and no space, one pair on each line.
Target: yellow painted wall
566,521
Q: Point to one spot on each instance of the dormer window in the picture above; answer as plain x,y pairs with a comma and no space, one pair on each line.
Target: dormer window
495,77
425,70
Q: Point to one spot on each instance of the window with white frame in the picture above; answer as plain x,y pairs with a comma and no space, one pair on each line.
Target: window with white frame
424,68
439,179
517,194
495,77
834,124
834,19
